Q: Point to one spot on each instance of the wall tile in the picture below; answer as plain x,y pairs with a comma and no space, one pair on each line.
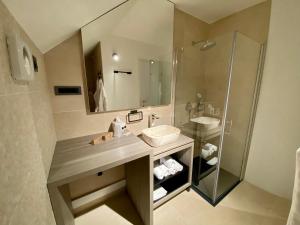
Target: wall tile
21,149
44,125
27,136
34,201
90,124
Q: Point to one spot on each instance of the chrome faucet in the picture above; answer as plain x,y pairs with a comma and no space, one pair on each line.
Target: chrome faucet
201,106
189,108
151,119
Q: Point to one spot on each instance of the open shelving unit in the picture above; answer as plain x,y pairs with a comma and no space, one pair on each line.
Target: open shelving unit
173,184
182,152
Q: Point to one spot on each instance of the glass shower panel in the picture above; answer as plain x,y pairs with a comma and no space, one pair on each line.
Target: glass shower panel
216,64
189,81
244,77
203,71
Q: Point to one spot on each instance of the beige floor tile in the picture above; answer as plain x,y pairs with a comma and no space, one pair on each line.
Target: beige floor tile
117,211
273,221
249,198
168,215
245,205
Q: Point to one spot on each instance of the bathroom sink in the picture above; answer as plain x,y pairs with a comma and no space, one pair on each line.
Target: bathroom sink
207,122
160,135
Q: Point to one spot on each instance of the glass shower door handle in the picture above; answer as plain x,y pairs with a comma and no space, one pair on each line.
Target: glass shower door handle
228,126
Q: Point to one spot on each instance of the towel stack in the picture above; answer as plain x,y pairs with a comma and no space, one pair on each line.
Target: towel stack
161,171
294,217
208,149
159,193
172,164
166,167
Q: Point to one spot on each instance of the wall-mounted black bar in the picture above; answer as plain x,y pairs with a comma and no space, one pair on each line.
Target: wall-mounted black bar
67,90
119,71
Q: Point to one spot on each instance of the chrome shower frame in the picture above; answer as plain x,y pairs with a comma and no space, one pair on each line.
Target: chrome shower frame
216,198
177,53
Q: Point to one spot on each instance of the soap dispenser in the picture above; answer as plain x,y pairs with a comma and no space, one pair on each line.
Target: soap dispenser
118,127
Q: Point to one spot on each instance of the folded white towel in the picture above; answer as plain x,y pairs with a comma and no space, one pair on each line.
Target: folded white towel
161,171
210,147
172,164
206,153
159,193
213,161
294,217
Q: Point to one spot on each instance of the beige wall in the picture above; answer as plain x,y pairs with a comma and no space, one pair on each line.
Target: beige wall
252,22
190,73
217,62
27,138
276,136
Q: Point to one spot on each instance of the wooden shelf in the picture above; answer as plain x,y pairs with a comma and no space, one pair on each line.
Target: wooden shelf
171,195
207,172
205,169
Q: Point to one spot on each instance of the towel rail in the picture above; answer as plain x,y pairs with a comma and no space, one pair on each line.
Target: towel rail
124,72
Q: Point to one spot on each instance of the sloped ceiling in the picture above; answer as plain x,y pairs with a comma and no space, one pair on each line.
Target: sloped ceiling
49,22
213,10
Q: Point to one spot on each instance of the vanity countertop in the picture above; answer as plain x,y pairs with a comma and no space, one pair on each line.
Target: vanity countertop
76,158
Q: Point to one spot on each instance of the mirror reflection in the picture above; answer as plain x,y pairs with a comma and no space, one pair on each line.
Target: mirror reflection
128,56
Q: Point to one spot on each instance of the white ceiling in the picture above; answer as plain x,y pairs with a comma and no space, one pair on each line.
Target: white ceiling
212,10
49,22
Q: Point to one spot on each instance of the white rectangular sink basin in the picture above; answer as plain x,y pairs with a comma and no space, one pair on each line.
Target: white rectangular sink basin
207,122
160,135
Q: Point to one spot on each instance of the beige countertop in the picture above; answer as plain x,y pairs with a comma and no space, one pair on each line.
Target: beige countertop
76,158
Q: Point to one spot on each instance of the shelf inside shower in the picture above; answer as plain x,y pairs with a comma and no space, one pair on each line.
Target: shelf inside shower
202,169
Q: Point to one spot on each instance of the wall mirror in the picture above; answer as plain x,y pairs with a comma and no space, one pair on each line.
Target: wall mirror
128,56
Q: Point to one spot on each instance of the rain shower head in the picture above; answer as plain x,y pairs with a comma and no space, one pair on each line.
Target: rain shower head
204,45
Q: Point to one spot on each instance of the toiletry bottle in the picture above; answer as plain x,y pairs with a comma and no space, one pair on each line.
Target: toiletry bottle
118,127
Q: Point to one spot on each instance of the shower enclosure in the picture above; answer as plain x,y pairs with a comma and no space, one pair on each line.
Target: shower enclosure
218,80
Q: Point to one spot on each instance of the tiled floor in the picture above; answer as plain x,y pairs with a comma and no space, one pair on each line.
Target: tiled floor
245,205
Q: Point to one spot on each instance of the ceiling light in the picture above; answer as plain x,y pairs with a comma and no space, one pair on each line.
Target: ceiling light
115,57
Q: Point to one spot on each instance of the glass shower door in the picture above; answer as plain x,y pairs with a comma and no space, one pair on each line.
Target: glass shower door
238,113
